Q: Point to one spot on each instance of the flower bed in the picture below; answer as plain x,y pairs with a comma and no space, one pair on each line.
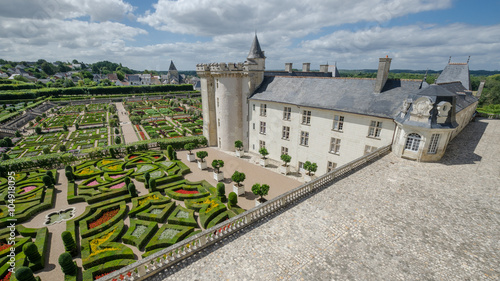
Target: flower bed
182,191
28,189
117,186
104,218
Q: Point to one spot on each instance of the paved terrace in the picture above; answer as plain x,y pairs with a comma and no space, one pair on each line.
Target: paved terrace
392,220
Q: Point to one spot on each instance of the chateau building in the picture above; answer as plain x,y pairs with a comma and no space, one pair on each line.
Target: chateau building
331,120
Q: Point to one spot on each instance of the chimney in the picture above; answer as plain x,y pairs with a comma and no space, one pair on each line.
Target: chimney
288,67
383,72
323,68
306,67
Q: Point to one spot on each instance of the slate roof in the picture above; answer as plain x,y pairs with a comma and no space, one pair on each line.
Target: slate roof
354,95
455,72
255,51
172,66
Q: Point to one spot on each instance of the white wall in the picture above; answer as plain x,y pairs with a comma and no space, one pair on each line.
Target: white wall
353,136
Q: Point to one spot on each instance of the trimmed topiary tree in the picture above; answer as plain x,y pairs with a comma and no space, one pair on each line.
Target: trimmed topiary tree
189,146
118,140
238,177
47,180
202,155
65,127
69,176
69,242
171,153
147,177
152,185
77,126
25,274
67,264
263,151
233,199
62,148
310,167
260,190
31,252
51,175
38,130
46,150
217,164
127,181
238,145
132,190
117,131
5,156
221,192
286,158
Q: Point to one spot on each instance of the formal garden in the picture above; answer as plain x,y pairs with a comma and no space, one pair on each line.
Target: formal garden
137,203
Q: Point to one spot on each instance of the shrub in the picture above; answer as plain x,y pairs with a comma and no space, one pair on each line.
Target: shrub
260,190
147,177
69,242
46,150
171,153
238,177
189,146
127,181
202,155
263,151
49,173
238,145
62,148
132,190
5,156
67,265
117,131
24,274
221,191
233,199
77,126
47,180
217,164
69,175
286,158
152,185
38,130
118,140
65,127
31,251
18,134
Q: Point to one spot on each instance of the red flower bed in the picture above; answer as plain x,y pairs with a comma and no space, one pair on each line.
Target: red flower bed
182,191
132,157
156,157
103,218
4,246
7,277
143,136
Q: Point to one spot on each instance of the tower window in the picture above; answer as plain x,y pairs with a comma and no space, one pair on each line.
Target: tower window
338,123
413,142
287,113
306,117
263,109
434,143
375,129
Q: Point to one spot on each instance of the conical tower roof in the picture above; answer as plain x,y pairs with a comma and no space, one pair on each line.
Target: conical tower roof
172,66
255,51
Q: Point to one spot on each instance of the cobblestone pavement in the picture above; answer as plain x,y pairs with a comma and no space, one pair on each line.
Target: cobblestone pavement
392,220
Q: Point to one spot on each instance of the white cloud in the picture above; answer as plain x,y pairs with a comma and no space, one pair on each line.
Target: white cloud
205,17
97,10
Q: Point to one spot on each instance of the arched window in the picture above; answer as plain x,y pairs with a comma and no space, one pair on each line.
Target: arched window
413,142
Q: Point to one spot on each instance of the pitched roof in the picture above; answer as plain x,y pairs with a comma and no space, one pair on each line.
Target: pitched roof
455,72
255,51
354,95
172,66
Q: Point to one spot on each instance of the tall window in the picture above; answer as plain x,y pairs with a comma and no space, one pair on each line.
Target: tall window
263,128
253,106
253,126
412,142
434,143
330,166
262,144
304,138
338,123
334,146
306,117
375,128
284,150
263,109
287,113
218,122
286,133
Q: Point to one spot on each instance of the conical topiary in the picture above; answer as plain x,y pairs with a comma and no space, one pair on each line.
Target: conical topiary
31,252
69,242
132,190
69,175
67,265
152,185
24,274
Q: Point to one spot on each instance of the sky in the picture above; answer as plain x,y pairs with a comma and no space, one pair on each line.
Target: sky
147,34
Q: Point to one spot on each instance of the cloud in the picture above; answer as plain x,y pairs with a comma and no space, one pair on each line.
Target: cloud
204,17
97,10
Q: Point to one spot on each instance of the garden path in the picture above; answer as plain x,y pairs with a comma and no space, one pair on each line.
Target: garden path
127,127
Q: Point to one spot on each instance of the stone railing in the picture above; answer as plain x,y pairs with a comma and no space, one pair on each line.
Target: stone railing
164,259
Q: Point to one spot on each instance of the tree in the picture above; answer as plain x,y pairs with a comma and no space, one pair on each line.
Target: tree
46,150
18,134
69,175
127,181
233,199
38,130
238,177
217,164
310,167
171,153
118,140
286,158
260,190
152,185
8,141
69,242
238,145
117,131
49,173
48,68
263,151
67,264
47,181
147,177
221,191
77,126
62,148
5,156
31,252
120,75
189,146
24,274
202,155
65,127
132,190
3,143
